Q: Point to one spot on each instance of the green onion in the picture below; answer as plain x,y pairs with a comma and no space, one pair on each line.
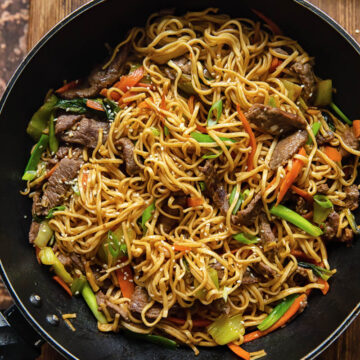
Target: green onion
272,102
44,235
227,329
302,104
111,109
294,90
241,199
213,276
351,219
78,284
90,300
76,105
218,107
154,339
322,208
75,188
246,238
340,113
211,155
318,271
291,216
31,167
50,214
147,215
226,292
277,313
315,129
202,185
166,130
323,93
155,131
53,141
185,85
113,244
328,121
204,138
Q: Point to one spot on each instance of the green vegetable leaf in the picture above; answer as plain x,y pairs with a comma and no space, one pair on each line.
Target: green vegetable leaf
272,102
166,130
211,155
318,271
111,109
76,105
205,138
147,215
50,214
246,238
217,106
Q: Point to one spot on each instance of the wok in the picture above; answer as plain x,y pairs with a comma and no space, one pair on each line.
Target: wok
69,51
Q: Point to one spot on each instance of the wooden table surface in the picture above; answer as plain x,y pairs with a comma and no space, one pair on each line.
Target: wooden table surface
44,14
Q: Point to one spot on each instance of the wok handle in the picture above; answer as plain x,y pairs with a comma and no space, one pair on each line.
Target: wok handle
18,340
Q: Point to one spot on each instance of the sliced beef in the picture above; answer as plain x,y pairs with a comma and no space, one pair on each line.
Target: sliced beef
307,77
139,299
323,188
76,260
59,183
64,151
264,269
331,226
214,188
350,140
86,133
324,139
220,306
352,197
102,299
169,223
99,78
37,208
66,122
219,269
65,260
34,230
249,278
127,148
286,148
183,63
266,233
273,120
249,214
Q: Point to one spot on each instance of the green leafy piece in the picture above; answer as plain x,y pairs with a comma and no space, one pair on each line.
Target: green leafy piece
240,200
166,130
111,109
322,208
51,212
78,284
147,215
272,102
315,129
213,276
211,155
341,114
113,244
91,302
318,271
246,238
205,138
155,131
227,329
202,185
77,106
352,222
154,339
44,235
217,106
323,95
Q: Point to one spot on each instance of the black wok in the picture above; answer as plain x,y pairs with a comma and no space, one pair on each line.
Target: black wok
69,51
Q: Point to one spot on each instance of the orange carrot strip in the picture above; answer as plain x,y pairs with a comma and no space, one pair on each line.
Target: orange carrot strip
239,351
68,86
326,288
128,81
302,256
246,124
144,105
274,64
291,176
181,248
62,283
125,96
356,128
332,153
274,27
202,129
114,95
84,180
191,103
126,281
52,170
302,193
193,202
196,322
94,105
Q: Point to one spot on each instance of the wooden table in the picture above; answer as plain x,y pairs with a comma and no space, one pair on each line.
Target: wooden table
44,14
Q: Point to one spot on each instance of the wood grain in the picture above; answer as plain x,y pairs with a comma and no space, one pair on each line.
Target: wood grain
44,14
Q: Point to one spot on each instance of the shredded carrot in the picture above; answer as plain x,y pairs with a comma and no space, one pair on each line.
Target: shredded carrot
294,308
147,86
84,180
239,351
291,176
272,182
302,256
52,170
326,288
302,193
37,252
181,248
126,281
144,105
68,86
201,128
128,81
114,95
196,322
104,92
274,27
63,284
356,128
128,94
193,202
275,63
247,127
332,153
94,105
308,215
191,103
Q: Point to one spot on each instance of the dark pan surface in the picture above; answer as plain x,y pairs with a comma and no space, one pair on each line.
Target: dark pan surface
68,52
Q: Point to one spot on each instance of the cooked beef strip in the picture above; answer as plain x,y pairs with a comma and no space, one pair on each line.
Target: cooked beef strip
139,299
183,63
350,140
307,78
65,260
77,262
34,230
66,122
99,78
264,269
249,214
219,269
169,223
324,139
101,298
128,147
266,233
37,208
220,306
323,188
273,120
286,148
352,197
331,226
249,278
59,183
86,133
214,188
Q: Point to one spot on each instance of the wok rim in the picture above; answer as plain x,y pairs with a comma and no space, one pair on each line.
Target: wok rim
22,66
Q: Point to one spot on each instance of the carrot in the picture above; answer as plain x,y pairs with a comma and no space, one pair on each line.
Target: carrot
291,176
326,288
94,105
114,96
239,351
247,127
274,27
181,248
274,64
68,86
196,322
128,81
302,193
52,170
63,284
332,153
294,308
272,182
37,251
125,96
103,92
126,281
84,180
147,86
201,128
356,128
193,202
144,105
191,103
302,256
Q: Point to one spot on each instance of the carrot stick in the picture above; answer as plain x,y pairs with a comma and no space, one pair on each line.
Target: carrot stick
239,351
274,27
103,92
302,193
68,86
147,86
114,95
126,281
326,288
62,284
84,180
274,64
291,176
247,127
196,322
191,103
202,129
193,202
181,248
52,170
356,128
128,81
94,105
332,153
302,256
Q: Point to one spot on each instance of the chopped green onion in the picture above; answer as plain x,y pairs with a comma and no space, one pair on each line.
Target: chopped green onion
166,130
78,284
218,107
155,131
318,271
204,138
113,244
226,292
53,141
351,219
50,214
294,90
75,188
44,235
246,238
328,120
241,199
185,85
302,104
322,208
90,300
202,185
272,102
147,215
340,113
154,339
31,167
315,129
227,329
211,155
213,276
76,105
323,93
111,109
277,313
291,216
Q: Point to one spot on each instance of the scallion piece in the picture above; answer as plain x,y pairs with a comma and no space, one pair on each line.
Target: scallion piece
44,235
154,339
211,155
246,238
240,200
227,329
90,300
147,215
53,141
272,102
315,129
166,130
202,185
322,208
78,284
217,106
351,219
51,212
318,271
340,113
205,138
